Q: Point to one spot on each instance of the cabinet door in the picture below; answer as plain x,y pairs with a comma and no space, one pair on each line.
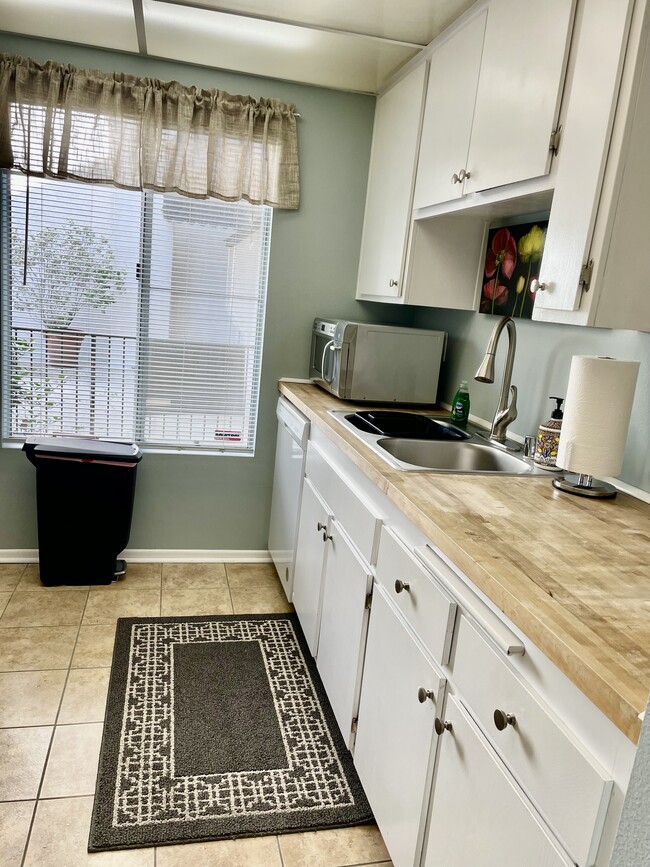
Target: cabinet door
478,814
394,736
344,619
390,187
448,113
584,152
519,90
311,554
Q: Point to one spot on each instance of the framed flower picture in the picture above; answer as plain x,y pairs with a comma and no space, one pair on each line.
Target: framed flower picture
512,260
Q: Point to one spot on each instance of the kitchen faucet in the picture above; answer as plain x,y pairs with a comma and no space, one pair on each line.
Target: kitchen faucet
505,414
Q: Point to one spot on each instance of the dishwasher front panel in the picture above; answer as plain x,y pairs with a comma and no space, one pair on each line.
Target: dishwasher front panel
293,431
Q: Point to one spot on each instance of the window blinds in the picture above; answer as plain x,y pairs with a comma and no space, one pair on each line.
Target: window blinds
135,316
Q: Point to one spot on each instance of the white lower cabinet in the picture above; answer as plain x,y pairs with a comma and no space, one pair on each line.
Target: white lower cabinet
566,783
396,729
469,756
479,816
337,539
344,621
311,556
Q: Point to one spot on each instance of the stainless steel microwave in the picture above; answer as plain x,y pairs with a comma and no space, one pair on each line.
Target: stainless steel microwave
378,363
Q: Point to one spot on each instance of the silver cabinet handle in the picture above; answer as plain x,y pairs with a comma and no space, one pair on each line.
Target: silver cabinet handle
455,179
325,536
424,694
492,625
536,286
393,282
402,585
462,175
441,726
502,719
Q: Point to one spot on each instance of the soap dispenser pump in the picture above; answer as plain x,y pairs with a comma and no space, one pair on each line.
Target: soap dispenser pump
548,437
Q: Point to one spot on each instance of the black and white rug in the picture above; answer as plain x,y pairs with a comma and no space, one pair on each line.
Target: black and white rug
218,727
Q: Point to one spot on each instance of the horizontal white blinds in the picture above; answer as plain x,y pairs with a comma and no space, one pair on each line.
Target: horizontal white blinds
133,315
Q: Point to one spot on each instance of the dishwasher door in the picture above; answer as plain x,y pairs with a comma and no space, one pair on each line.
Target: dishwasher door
293,433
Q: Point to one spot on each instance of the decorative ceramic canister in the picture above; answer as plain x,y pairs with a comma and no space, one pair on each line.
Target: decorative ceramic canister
548,437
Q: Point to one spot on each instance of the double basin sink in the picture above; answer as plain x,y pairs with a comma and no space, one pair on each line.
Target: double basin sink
415,441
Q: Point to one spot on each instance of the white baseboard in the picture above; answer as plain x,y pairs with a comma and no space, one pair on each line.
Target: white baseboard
18,555
154,555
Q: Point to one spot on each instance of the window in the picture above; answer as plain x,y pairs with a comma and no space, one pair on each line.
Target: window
132,315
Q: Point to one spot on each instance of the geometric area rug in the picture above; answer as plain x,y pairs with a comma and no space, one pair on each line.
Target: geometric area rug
218,727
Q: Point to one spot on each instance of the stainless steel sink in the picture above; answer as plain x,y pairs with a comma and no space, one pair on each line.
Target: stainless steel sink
472,452
454,457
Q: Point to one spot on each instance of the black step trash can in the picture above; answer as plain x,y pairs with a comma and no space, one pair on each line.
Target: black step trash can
84,502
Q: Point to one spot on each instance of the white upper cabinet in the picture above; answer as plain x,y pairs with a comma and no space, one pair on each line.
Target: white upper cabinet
519,90
493,100
390,187
593,270
447,125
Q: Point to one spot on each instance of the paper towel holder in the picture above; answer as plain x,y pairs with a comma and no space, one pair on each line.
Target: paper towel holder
584,485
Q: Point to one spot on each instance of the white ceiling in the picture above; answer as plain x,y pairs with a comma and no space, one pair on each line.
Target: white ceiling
345,44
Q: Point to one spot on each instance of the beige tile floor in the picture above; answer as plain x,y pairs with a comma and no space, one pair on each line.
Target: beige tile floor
56,646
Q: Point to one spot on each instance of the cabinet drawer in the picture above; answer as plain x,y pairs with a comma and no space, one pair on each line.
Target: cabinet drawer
568,786
347,504
428,608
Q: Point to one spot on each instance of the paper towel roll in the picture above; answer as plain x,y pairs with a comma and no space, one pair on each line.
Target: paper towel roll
598,406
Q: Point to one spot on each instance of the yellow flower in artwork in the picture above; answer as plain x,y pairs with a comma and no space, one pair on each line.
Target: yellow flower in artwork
520,285
531,246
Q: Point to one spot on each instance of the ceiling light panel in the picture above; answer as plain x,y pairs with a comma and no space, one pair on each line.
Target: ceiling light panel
416,21
271,49
104,23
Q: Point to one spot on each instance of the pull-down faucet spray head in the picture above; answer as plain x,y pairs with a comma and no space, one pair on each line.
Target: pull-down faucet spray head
485,373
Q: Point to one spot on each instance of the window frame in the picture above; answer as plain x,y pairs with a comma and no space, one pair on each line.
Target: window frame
10,439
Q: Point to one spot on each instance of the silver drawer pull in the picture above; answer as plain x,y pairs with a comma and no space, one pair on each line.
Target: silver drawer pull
492,626
502,719
441,726
424,694
402,585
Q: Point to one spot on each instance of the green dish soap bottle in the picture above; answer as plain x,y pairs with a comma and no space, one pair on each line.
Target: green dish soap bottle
460,404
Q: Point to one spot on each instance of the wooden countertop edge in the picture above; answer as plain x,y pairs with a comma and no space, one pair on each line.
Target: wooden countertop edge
619,705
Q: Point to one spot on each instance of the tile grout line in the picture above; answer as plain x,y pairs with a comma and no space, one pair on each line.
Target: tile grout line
49,748
13,590
277,840
232,604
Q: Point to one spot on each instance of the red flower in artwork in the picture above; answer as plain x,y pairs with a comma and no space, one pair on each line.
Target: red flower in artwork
497,294
502,254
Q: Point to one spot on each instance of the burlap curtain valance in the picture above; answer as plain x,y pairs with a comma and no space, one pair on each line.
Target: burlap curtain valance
141,133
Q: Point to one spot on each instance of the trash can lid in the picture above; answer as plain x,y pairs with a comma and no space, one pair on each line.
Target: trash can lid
72,448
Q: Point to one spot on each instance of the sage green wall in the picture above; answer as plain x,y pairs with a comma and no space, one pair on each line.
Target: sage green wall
223,502
541,369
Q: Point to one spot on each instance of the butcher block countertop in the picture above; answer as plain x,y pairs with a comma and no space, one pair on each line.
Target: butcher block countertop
571,572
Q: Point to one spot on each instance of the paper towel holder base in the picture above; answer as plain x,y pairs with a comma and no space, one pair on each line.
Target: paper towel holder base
584,485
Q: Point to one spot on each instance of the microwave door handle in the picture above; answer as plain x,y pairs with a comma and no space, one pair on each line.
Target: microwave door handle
328,346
